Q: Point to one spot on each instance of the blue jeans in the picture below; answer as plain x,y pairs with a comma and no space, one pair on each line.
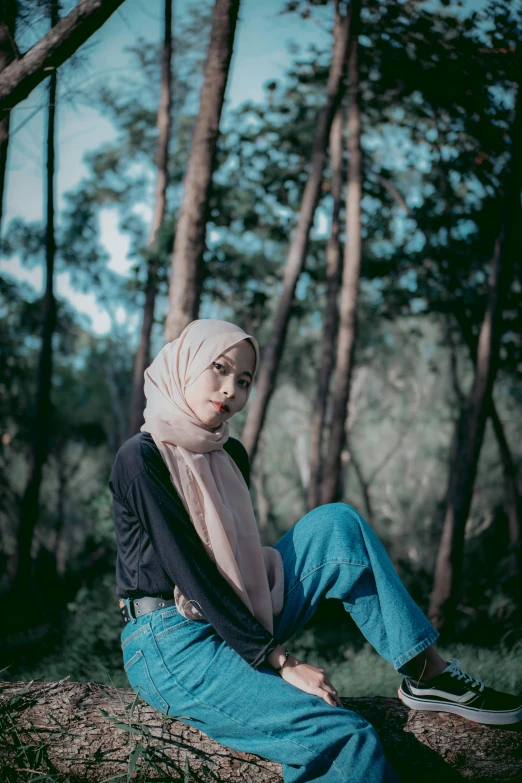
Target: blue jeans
183,667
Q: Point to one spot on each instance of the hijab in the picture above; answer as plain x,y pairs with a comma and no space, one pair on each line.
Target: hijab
207,479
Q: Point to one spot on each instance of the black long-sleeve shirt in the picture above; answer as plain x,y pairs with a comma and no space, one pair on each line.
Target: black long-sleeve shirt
158,546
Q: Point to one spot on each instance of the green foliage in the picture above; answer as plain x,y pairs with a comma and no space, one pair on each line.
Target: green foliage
90,648
436,95
363,672
332,641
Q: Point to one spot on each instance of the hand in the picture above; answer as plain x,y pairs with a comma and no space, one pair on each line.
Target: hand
310,679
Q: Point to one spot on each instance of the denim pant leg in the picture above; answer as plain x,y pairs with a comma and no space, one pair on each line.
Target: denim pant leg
184,669
332,552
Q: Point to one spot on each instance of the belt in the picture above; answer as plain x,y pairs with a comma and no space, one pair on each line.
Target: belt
141,606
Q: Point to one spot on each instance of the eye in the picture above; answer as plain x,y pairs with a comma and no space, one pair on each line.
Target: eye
218,366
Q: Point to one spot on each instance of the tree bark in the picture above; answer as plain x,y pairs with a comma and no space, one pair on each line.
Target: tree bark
331,313
142,359
92,732
189,242
297,254
331,487
509,469
30,502
51,51
513,504
448,568
8,52
365,487
263,505
118,430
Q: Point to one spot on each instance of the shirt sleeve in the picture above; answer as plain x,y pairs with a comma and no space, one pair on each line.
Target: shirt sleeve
153,499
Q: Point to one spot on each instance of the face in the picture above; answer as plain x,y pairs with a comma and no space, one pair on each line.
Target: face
227,381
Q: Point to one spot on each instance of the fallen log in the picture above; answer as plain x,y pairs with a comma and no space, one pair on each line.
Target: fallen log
76,731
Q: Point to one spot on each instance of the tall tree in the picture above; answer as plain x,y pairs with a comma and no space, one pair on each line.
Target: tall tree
30,501
8,52
22,76
512,499
297,253
448,569
142,359
331,485
189,242
331,314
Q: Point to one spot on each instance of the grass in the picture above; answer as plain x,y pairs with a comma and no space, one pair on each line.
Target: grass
362,672
24,759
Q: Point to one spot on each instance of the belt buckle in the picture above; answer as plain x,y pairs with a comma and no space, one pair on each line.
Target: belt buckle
127,610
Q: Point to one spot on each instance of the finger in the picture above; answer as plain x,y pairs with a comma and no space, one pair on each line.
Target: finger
331,696
333,699
330,688
334,695
328,699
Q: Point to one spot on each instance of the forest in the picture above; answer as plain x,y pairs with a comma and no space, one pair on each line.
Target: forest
351,199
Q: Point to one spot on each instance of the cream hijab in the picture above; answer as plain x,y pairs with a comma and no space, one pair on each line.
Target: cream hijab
207,479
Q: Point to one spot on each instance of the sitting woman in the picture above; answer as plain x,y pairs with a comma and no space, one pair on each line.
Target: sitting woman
208,609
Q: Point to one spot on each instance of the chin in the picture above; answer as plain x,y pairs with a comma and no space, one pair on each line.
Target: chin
210,422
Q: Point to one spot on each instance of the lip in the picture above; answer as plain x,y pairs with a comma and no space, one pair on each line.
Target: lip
219,407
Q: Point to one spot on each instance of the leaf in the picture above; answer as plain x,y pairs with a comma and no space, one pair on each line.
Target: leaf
131,706
24,689
60,725
136,753
126,727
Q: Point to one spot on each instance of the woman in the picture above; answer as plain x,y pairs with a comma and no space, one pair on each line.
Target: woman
207,609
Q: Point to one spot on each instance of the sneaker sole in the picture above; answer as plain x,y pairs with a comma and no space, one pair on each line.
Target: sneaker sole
477,716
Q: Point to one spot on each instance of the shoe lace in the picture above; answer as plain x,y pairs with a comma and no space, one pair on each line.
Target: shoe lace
456,671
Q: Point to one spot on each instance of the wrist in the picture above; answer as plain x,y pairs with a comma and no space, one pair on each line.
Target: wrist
277,656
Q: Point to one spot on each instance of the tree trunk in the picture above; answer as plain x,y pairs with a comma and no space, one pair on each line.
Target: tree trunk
512,500
331,315
365,487
189,242
513,505
118,431
8,52
448,567
263,505
142,359
331,488
51,51
58,548
30,501
297,254
92,732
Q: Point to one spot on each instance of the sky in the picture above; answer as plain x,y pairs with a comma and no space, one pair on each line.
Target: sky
260,55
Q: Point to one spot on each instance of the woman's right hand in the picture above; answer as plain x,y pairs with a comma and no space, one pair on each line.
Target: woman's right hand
310,679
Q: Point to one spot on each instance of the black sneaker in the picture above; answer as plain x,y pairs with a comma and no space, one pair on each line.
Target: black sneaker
454,691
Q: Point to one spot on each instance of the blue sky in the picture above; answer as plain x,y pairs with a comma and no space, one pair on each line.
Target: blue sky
260,55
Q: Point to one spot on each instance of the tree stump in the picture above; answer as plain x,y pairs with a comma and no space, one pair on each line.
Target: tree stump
89,732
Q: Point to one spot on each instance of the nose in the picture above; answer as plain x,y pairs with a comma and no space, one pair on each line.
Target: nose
228,386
